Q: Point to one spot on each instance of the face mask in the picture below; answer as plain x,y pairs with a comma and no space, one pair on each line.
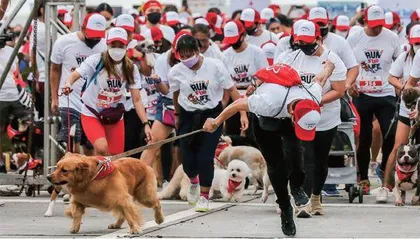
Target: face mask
154,17
309,49
91,43
117,54
324,31
251,31
237,44
341,33
416,48
190,62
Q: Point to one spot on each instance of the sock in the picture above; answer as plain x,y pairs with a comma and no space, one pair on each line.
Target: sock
194,180
205,195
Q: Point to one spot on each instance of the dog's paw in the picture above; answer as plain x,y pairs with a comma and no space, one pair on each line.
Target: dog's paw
74,229
160,219
114,226
399,203
135,230
415,201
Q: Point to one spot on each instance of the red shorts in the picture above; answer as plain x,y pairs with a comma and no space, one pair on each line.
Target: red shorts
114,134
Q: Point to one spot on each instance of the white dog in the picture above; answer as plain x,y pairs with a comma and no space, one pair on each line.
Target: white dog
231,182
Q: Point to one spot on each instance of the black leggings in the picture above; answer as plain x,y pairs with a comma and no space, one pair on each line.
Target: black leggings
316,160
273,145
384,110
134,132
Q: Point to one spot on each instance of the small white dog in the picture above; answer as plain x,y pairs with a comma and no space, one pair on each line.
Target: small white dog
231,182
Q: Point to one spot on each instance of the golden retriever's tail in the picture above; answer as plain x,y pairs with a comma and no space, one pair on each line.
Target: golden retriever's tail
173,186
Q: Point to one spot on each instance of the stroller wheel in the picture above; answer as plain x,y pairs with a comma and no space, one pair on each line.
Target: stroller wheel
29,190
351,193
360,195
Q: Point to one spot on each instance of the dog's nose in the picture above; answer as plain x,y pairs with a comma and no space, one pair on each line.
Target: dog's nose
49,177
406,158
233,175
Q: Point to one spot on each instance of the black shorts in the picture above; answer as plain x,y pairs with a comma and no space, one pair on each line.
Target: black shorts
14,109
404,120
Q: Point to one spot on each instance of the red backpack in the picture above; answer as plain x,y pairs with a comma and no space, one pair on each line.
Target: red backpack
280,74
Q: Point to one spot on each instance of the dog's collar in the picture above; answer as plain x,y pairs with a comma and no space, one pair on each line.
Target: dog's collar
220,147
232,185
105,167
403,176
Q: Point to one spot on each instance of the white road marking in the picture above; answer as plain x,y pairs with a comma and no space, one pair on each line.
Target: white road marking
168,219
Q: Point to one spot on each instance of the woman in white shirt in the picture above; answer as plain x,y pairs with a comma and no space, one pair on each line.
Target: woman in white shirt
108,75
198,84
398,77
308,61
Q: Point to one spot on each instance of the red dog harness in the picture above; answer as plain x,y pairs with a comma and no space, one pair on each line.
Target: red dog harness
232,185
403,176
105,167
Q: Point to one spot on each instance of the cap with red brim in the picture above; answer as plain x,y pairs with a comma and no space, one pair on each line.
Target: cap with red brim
233,31
306,115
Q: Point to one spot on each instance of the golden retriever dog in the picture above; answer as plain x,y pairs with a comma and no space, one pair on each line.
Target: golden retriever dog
108,186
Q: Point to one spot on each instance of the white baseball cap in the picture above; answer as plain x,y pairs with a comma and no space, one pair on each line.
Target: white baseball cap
125,21
414,36
250,17
296,26
133,11
233,31
202,21
269,48
95,25
266,14
318,14
172,18
375,16
117,34
307,32
342,23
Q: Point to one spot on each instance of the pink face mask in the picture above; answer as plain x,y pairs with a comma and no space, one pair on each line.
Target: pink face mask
190,62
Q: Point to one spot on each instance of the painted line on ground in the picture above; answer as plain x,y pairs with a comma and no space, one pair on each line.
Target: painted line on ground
168,220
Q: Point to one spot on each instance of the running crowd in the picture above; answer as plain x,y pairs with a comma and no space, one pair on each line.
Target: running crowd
138,78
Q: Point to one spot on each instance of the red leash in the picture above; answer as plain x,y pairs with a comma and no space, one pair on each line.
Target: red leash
69,148
218,160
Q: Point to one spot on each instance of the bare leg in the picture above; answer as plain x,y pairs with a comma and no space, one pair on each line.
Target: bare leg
160,132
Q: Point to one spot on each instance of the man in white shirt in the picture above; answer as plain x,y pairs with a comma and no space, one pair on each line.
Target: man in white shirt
375,48
256,35
153,11
68,52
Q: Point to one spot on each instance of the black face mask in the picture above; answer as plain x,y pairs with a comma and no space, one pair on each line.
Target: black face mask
293,46
324,31
309,49
237,44
251,31
91,43
154,17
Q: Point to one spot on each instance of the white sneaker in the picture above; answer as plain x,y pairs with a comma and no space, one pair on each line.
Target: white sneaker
382,196
66,198
202,205
193,194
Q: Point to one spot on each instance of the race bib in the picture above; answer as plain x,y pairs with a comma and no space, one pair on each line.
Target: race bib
371,84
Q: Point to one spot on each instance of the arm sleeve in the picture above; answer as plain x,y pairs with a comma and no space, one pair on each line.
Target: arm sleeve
160,67
340,71
174,83
415,71
348,56
397,47
87,68
397,66
137,79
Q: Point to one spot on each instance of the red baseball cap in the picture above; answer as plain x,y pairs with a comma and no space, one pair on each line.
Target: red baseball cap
156,33
117,34
414,36
138,37
233,31
95,25
374,16
307,32
341,23
295,27
151,3
275,7
415,16
391,18
174,43
281,74
306,116
318,14
250,17
215,22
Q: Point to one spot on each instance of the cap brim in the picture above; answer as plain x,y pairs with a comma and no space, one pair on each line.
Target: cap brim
375,23
342,28
307,39
218,30
94,33
248,24
172,23
124,41
304,135
321,20
128,28
230,40
263,21
388,26
414,40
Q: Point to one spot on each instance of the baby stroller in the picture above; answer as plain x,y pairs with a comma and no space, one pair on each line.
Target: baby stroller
344,147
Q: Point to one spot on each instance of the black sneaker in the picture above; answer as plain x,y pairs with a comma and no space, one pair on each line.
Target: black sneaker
300,197
287,224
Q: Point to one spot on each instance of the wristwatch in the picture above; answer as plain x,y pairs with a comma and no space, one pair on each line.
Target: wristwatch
146,123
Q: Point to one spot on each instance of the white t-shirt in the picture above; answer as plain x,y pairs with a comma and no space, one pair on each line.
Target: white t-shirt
214,52
69,52
283,45
375,54
8,91
402,37
341,47
269,98
261,39
241,66
108,91
168,32
162,69
415,71
202,89
400,68
308,67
